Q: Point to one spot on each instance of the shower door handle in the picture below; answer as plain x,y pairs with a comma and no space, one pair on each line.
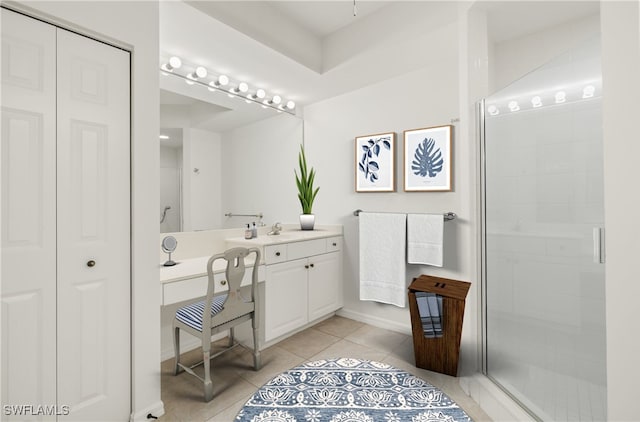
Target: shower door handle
598,245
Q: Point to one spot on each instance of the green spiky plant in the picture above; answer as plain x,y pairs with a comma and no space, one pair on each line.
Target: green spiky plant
306,193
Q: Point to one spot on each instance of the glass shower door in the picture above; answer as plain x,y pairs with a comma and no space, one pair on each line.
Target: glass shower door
543,239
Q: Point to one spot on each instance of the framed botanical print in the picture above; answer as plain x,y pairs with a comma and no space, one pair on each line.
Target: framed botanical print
427,159
375,162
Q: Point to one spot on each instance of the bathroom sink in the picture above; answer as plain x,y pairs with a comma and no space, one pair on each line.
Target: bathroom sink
285,236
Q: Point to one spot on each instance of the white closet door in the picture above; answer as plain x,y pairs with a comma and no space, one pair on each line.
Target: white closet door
93,229
28,286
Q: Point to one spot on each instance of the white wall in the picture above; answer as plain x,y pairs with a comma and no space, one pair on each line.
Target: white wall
258,162
120,23
424,98
620,70
515,58
202,187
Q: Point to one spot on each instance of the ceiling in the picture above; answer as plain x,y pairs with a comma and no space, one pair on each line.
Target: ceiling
320,18
310,50
325,18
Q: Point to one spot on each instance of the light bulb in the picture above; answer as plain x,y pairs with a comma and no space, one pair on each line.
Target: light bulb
223,80
174,63
493,110
588,91
242,87
561,97
513,106
276,99
260,94
200,72
290,105
536,102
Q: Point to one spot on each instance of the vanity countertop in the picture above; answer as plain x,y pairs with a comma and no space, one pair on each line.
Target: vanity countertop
197,267
286,236
191,268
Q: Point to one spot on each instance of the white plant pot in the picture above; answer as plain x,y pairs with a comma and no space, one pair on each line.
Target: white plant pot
307,221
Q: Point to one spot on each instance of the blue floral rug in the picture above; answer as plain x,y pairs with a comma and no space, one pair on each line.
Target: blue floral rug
349,390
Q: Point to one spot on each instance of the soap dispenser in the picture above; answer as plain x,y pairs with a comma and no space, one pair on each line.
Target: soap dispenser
254,230
248,233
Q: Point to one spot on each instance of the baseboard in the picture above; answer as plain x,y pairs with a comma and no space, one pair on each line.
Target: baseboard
376,321
157,410
495,402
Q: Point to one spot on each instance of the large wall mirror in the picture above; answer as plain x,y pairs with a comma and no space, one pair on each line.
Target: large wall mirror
220,155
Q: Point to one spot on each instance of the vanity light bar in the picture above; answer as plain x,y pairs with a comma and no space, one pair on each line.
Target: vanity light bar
222,84
576,93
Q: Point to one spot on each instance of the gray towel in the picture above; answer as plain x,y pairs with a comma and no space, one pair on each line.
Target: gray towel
430,310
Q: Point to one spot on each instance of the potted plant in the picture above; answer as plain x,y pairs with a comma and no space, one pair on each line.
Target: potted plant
306,192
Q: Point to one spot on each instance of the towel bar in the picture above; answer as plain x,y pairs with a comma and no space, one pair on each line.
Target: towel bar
448,216
230,214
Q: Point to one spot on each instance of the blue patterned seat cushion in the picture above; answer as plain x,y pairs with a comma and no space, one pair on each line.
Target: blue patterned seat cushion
191,315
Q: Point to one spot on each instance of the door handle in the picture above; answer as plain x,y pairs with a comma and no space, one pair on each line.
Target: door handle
598,245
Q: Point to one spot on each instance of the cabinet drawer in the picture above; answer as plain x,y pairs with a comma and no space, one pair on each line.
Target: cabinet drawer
334,244
178,291
275,253
221,280
306,248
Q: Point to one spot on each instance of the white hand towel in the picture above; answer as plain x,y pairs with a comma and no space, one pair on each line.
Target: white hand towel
382,258
425,235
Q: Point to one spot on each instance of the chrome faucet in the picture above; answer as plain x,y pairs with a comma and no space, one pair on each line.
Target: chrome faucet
275,229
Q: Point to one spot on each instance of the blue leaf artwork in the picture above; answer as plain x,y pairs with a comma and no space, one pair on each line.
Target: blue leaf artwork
427,160
370,151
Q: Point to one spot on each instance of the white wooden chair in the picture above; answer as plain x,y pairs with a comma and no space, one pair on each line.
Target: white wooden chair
225,312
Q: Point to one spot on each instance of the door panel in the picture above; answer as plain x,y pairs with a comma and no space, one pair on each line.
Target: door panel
545,334
285,298
325,287
93,228
28,289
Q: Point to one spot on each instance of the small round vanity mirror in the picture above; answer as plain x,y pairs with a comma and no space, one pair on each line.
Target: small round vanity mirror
169,244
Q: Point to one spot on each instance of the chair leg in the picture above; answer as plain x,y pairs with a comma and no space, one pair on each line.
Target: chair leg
208,385
257,362
231,336
176,350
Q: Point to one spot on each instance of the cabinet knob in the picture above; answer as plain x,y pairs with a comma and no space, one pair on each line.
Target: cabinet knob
306,266
277,253
223,282
334,244
311,265
91,263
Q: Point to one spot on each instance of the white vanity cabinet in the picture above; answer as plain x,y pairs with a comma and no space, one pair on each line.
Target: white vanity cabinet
285,299
303,283
324,284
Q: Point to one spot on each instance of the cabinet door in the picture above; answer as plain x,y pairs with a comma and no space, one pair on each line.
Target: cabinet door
28,283
93,229
285,298
325,284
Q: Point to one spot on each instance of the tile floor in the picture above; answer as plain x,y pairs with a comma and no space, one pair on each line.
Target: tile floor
235,380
